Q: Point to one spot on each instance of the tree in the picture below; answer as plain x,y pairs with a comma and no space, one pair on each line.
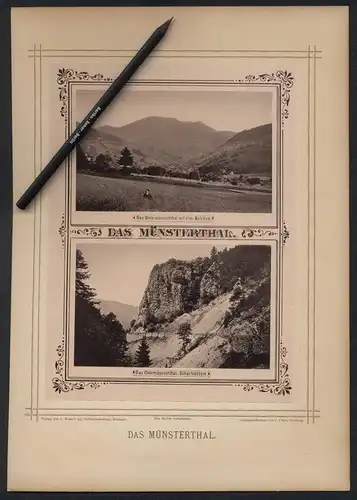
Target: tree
125,171
253,180
99,340
126,158
90,335
142,356
185,333
103,162
82,161
116,338
193,175
214,253
91,347
155,170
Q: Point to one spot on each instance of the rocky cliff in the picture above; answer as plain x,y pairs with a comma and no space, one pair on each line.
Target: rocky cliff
174,288
231,331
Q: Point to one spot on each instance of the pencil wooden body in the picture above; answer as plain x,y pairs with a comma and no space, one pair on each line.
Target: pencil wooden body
92,116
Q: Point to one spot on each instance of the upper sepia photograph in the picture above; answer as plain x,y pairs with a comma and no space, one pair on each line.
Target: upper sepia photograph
177,151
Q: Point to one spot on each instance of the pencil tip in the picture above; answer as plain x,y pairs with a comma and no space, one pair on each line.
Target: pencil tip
166,24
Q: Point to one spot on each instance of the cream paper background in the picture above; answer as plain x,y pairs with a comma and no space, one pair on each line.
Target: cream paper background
78,440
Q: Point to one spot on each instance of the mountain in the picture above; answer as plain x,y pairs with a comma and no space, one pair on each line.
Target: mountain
248,152
258,136
167,139
186,148
124,312
222,300
98,142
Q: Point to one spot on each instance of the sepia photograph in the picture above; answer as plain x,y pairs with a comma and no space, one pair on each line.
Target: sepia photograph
185,150
169,306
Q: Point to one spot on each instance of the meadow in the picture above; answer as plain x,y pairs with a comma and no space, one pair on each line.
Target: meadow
95,193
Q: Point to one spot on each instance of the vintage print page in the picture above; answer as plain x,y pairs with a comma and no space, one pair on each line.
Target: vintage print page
180,286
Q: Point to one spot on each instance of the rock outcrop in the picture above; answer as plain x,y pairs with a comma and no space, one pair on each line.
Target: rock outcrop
172,290
177,287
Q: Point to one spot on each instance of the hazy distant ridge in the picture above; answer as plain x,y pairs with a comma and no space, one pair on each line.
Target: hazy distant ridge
125,312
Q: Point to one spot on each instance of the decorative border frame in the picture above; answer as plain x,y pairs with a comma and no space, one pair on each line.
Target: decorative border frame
285,80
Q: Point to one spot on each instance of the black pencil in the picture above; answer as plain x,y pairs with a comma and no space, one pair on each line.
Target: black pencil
93,115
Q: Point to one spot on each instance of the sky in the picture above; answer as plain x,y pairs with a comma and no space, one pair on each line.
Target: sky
232,110
121,272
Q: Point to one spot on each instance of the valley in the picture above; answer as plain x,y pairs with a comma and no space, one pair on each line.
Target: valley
158,152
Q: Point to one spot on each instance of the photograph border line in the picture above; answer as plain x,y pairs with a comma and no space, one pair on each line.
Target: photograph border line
303,51
175,53
34,236
66,83
32,409
247,418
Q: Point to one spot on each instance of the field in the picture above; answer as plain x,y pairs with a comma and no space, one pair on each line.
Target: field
96,193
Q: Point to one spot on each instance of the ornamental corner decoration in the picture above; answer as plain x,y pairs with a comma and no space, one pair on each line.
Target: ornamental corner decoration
66,75
282,77
280,388
59,383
